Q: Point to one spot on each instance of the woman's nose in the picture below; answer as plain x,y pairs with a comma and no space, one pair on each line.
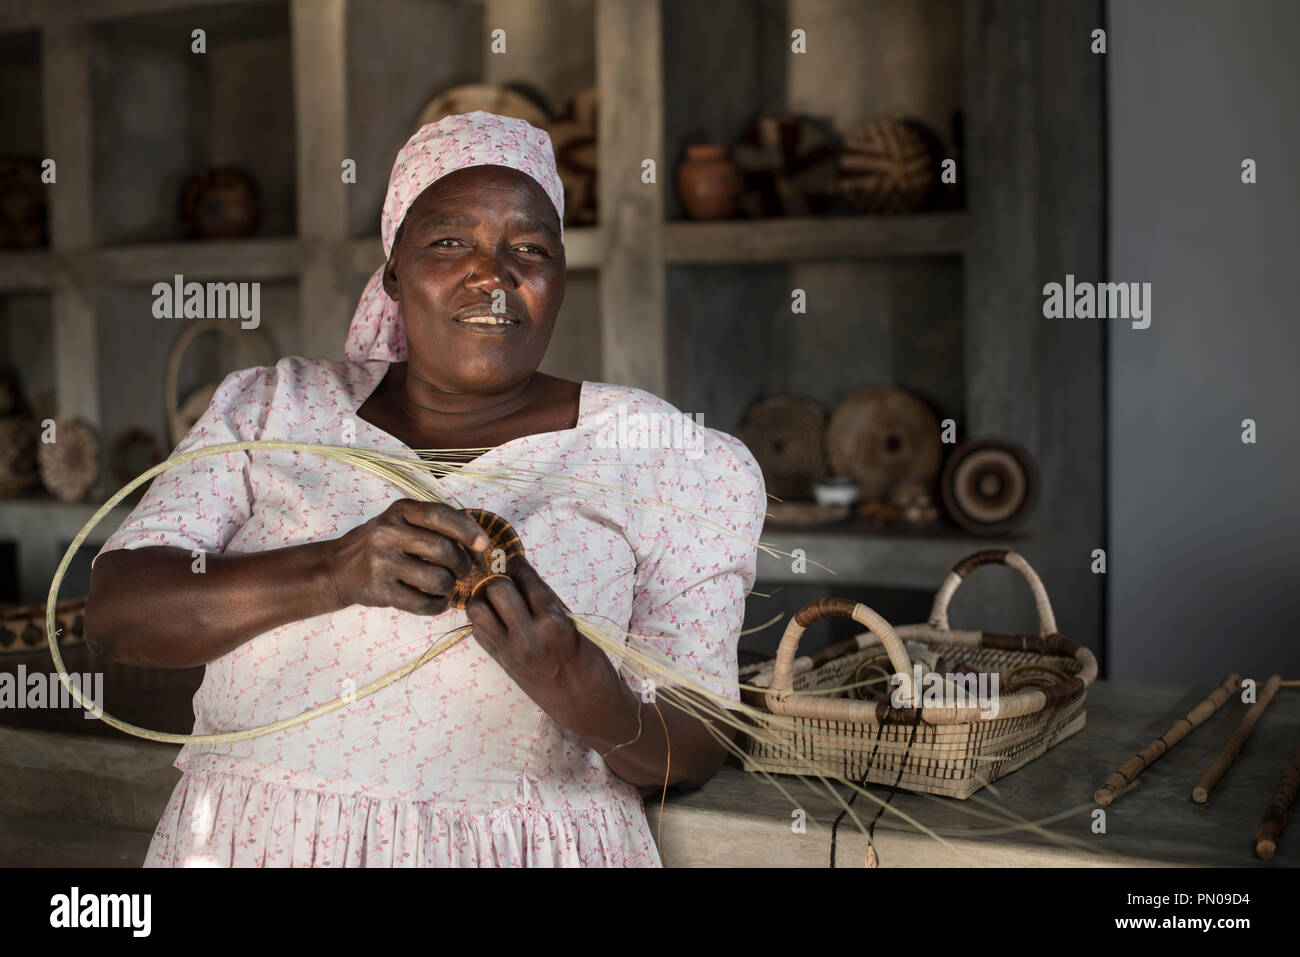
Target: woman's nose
488,270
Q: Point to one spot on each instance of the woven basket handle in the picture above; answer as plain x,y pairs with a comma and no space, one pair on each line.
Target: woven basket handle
992,556
254,347
783,669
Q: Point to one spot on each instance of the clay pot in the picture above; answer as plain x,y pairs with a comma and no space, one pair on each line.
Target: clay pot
709,182
220,204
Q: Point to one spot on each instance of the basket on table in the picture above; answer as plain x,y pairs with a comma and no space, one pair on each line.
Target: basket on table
956,750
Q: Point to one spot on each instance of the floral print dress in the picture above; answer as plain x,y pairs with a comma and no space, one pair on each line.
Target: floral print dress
454,764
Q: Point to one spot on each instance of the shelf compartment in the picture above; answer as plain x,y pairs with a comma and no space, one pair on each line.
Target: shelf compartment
133,347
414,50
27,340
26,269
22,122
860,555
217,259
814,239
733,340
42,527
163,114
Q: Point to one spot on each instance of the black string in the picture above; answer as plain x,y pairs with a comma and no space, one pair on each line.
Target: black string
880,728
871,831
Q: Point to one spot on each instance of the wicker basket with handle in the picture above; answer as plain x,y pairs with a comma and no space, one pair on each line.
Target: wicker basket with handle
958,747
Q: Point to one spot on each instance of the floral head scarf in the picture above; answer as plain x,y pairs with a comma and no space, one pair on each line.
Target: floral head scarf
452,143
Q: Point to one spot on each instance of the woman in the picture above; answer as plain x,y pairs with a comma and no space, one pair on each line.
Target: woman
295,579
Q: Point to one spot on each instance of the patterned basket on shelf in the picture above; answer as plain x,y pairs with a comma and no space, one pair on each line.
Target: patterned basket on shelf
22,627
954,749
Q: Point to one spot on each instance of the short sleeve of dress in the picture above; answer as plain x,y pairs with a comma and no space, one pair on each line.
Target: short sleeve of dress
204,502
696,561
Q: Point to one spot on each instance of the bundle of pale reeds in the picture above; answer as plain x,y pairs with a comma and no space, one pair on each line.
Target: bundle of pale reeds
674,682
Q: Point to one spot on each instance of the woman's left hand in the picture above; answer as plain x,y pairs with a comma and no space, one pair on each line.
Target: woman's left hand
524,626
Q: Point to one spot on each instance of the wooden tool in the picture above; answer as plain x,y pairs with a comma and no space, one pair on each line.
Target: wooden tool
1148,756
1201,793
1275,814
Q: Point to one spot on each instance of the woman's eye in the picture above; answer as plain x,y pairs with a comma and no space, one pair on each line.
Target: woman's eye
533,249
447,239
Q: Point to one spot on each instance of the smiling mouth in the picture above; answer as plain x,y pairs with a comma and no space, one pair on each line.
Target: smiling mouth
487,320
489,324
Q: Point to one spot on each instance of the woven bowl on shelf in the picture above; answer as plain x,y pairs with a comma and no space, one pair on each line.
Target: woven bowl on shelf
504,100
69,465
886,167
989,486
573,137
881,435
22,627
788,164
18,470
787,438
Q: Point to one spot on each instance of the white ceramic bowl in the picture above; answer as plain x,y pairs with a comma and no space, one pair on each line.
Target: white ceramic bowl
836,491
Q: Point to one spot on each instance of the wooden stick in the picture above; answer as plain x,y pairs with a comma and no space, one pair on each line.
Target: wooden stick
1201,793
1176,732
1275,814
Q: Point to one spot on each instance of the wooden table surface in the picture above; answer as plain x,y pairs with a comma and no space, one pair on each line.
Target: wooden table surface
91,801
740,819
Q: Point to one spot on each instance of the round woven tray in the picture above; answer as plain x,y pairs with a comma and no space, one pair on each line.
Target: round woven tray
787,437
989,486
881,435
483,96
69,465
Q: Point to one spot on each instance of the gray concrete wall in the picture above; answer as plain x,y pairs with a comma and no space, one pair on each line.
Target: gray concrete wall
1202,527
21,122
162,113
400,54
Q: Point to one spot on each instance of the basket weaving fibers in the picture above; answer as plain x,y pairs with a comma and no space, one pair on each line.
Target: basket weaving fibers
957,750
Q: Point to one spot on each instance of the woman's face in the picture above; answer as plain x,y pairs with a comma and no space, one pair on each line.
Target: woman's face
482,242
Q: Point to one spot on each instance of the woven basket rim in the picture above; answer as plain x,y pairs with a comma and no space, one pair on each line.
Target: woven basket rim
946,714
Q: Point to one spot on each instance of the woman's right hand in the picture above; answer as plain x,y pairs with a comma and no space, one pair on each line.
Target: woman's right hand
408,557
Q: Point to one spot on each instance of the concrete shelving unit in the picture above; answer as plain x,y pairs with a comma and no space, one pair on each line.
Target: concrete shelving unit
946,303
